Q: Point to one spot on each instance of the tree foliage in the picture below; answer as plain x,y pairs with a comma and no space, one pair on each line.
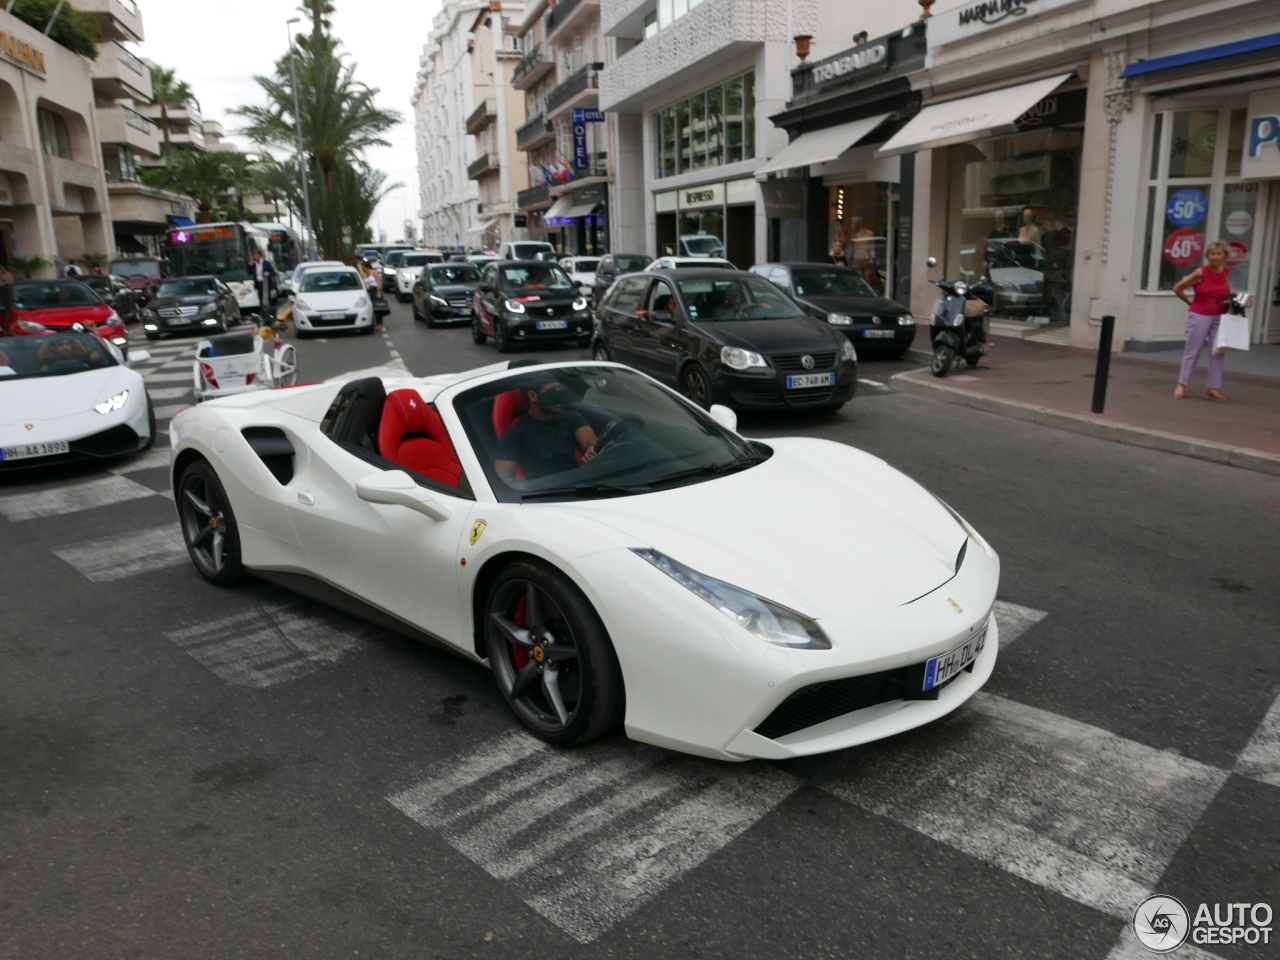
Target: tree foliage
74,30
169,93
206,176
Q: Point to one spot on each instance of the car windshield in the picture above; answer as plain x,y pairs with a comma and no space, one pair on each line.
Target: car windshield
187,287
50,296
22,357
444,275
708,246
644,438
417,259
582,265
393,258
736,298
830,283
98,284
529,251
136,268
315,281
546,276
632,264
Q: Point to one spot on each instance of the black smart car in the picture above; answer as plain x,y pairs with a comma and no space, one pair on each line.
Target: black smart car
725,336
190,304
529,301
115,292
838,295
444,293
612,266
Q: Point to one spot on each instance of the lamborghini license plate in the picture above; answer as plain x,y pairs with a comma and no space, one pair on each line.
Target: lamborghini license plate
23,452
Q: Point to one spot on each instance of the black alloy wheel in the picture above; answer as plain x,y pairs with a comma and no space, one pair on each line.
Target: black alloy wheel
502,336
943,357
600,353
693,384
209,525
551,655
477,331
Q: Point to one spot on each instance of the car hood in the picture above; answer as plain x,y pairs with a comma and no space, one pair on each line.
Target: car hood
160,303
66,316
45,399
453,289
548,297
858,306
771,336
820,527
335,300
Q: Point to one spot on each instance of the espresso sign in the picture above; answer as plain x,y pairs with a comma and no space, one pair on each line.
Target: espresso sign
859,62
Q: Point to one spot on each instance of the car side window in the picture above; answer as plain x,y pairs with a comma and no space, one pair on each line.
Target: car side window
661,298
780,276
630,295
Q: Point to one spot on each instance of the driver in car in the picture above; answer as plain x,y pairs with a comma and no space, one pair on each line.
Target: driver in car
546,440
67,355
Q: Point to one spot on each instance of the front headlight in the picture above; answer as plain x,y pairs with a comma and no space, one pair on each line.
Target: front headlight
974,535
208,310
739,359
30,326
112,403
300,304
580,303
771,622
961,288
439,301
363,301
848,352
114,320
514,306
906,320
839,319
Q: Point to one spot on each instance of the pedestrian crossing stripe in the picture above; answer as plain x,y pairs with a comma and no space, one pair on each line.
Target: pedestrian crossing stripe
170,393
170,411
147,460
71,498
1260,759
119,556
174,377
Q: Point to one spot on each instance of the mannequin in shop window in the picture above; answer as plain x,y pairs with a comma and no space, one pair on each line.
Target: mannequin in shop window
864,253
837,255
1031,229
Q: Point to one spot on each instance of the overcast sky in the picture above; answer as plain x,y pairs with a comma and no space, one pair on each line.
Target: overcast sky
218,46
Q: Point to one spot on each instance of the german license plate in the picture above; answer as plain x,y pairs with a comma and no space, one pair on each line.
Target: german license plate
332,314
941,669
803,380
553,324
878,334
176,321
50,449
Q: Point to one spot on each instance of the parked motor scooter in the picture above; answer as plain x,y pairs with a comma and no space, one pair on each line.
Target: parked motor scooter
958,327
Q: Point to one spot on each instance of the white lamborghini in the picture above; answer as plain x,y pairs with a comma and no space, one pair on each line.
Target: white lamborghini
614,554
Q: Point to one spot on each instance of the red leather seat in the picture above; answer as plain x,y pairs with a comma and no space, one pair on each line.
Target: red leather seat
507,409
412,434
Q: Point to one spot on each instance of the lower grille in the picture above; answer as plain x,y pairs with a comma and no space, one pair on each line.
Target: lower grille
108,443
791,363
810,395
346,321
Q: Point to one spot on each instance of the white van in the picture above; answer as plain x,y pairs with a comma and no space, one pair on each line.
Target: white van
526,250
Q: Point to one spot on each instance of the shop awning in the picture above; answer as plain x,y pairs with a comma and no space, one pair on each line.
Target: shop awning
821,146
482,226
181,221
969,118
565,208
1203,55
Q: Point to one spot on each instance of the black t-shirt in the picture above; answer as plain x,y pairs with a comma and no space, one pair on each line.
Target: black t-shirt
542,447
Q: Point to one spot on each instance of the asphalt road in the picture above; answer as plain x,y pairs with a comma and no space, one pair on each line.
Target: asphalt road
360,795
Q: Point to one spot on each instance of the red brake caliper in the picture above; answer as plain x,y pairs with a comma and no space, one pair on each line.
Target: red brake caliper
520,654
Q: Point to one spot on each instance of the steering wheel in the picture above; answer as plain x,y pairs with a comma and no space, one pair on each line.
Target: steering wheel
616,429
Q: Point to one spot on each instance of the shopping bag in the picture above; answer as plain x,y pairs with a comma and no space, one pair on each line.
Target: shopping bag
380,307
1233,333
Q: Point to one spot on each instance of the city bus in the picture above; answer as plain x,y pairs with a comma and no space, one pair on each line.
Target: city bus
222,250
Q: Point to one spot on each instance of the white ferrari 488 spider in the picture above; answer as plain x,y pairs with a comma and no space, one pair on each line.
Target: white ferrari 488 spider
615,554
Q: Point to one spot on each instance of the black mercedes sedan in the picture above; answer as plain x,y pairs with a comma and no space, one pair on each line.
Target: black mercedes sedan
444,293
529,301
190,304
725,336
878,326
116,293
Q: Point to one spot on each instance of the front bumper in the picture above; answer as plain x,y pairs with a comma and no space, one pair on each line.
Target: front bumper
450,313
768,390
357,320
115,441
524,329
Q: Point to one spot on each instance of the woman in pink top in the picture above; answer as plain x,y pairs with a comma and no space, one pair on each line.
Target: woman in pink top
1212,284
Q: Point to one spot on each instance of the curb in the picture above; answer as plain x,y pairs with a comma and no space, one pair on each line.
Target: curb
1242,457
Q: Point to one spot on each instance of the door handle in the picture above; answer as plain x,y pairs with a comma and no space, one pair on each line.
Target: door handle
306,498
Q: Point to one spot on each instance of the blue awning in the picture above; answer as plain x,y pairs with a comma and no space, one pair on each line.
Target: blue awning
1203,55
181,221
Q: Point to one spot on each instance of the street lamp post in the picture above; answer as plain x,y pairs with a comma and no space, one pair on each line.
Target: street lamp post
297,119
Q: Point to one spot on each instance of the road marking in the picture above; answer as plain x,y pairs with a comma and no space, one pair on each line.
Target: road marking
395,370
177,377
1015,620
272,644
71,498
873,383
147,460
1260,758
170,393
1071,807
117,557
589,836
169,412
1130,949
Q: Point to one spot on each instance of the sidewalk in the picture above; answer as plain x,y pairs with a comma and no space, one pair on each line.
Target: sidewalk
1053,385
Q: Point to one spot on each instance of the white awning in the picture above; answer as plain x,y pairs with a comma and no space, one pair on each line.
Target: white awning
821,146
565,207
969,118
482,226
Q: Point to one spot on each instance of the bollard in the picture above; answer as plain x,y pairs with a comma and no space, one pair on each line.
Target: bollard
1104,364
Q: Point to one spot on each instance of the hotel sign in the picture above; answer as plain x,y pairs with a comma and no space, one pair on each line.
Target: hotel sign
21,53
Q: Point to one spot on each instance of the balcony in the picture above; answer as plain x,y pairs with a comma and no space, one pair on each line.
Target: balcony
139,208
539,196
536,64
569,15
116,19
481,116
119,124
118,74
482,165
578,91
536,132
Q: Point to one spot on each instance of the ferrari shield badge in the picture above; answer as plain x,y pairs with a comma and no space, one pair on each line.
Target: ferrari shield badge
959,609
477,530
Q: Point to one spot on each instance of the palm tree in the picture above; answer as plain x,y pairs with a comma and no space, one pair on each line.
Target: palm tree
205,176
169,93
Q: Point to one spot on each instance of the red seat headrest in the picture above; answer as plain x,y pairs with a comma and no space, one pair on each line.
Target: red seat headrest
507,409
412,435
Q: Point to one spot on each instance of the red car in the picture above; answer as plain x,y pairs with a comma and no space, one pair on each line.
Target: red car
35,306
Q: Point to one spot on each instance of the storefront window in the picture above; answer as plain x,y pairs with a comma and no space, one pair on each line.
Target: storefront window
1195,195
860,224
709,129
1013,215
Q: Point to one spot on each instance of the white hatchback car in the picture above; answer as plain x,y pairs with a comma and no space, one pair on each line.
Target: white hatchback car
581,270
332,299
295,278
410,268
690,263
